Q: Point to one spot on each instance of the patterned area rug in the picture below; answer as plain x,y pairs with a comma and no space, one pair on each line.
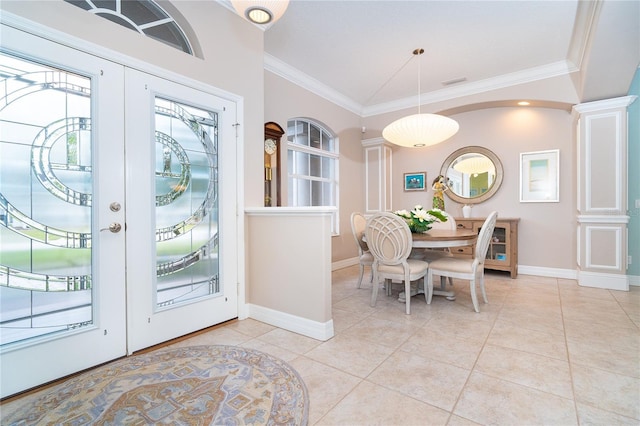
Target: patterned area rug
197,385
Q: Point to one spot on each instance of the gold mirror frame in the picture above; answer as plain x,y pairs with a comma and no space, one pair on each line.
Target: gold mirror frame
471,150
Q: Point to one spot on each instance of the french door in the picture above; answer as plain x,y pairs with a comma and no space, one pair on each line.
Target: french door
181,203
115,208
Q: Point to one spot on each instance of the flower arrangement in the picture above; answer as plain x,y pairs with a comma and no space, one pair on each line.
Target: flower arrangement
420,220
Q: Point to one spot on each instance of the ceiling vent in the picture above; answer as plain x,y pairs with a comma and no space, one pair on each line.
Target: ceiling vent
454,81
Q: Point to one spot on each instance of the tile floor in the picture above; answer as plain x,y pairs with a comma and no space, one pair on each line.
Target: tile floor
543,351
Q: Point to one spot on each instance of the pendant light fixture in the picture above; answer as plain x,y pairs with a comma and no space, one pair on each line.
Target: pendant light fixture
261,12
420,130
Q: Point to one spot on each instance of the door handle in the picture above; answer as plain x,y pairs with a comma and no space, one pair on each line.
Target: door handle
114,227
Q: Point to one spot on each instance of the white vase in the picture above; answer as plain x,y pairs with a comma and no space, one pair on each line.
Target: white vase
466,211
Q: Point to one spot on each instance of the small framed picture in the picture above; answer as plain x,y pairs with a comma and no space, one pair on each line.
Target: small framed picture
415,181
539,176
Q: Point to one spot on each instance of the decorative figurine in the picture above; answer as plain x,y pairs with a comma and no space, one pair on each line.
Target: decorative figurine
438,195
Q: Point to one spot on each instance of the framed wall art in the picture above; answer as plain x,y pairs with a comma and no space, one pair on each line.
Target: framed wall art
415,181
540,176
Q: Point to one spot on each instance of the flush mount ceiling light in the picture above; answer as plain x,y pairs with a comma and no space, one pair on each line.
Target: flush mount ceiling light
420,130
260,12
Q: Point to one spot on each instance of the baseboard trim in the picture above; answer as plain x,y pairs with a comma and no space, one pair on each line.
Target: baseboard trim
569,274
306,327
344,263
599,280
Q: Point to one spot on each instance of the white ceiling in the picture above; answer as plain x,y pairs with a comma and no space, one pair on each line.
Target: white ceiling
358,53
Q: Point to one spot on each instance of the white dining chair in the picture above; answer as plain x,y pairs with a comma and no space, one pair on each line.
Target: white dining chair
431,254
389,240
466,269
365,258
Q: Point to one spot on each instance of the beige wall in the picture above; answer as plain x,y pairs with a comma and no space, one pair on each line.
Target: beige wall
284,100
547,231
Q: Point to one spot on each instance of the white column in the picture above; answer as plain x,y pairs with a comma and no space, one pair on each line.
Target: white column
602,193
378,167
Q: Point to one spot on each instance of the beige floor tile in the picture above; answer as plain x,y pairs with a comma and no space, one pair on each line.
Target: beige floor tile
631,296
533,299
277,351
326,385
487,400
535,371
428,343
371,404
420,313
353,355
612,315
339,292
286,339
545,319
580,302
592,416
357,304
507,335
342,320
465,328
250,327
627,336
545,283
381,332
614,358
460,421
424,379
607,391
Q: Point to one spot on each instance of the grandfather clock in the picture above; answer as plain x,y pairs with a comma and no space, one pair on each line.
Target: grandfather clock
272,135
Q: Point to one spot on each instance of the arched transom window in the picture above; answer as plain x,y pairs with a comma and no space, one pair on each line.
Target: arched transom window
144,16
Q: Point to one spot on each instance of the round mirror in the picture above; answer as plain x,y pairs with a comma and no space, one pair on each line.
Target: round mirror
473,174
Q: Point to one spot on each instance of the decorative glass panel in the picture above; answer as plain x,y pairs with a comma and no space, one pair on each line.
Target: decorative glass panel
45,200
186,177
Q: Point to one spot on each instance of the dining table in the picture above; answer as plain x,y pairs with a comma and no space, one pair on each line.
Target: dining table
440,239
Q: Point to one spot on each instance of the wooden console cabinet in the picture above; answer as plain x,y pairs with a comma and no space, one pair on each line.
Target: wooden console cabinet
502,254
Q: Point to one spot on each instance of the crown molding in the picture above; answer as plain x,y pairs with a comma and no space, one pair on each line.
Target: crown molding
587,15
297,77
303,80
530,75
596,106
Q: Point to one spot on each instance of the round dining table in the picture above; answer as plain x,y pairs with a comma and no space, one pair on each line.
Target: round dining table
442,238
